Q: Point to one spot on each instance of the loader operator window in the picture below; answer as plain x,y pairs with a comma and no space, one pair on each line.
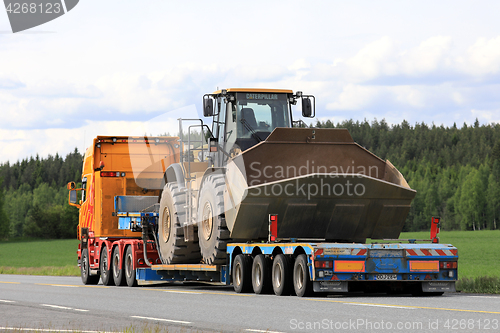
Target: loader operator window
258,114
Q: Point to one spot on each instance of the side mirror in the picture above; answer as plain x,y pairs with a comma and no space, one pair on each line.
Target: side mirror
307,110
208,106
73,197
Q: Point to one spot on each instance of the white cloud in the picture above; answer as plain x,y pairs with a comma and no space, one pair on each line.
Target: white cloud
491,116
483,58
19,144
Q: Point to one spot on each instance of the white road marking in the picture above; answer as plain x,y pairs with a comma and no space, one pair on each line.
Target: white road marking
63,307
261,331
161,319
382,306
6,301
18,329
57,306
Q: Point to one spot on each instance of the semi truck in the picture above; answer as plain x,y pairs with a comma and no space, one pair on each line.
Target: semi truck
257,200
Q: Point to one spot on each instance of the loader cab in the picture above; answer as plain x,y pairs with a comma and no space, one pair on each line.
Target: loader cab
243,118
251,117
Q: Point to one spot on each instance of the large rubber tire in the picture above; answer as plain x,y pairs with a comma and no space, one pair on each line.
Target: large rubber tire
213,234
85,269
242,273
302,283
261,274
106,273
173,248
282,275
128,266
118,276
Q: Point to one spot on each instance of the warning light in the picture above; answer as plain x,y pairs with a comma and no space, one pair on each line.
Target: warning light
273,227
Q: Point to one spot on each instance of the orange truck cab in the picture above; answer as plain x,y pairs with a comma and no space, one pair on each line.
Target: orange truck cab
119,175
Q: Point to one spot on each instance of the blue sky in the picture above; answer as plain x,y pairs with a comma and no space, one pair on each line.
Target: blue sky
127,67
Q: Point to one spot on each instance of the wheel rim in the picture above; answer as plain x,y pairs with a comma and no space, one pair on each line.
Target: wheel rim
128,263
116,263
207,222
299,276
237,275
104,262
277,275
84,264
166,221
258,275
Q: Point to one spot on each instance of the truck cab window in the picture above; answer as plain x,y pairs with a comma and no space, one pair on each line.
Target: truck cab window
84,187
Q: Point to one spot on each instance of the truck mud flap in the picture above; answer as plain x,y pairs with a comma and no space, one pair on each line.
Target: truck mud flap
330,286
438,286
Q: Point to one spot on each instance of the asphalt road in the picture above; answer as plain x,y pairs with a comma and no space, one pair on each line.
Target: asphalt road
64,303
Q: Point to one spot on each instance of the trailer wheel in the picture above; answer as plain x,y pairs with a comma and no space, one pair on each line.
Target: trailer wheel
128,264
85,269
118,276
261,274
213,234
173,248
302,284
242,273
282,275
106,273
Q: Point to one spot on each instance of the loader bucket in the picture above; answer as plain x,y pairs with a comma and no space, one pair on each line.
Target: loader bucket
321,185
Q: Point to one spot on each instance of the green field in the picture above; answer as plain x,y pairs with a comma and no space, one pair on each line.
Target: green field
479,256
40,257
478,251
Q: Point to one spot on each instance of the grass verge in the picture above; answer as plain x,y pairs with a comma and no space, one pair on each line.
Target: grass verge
480,285
69,270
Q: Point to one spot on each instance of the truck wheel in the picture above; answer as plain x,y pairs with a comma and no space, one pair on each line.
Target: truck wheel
128,264
242,273
282,275
106,273
118,276
85,269
261,274
173,248
301,281
213,234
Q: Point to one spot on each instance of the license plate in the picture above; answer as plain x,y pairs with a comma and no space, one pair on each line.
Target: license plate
386,277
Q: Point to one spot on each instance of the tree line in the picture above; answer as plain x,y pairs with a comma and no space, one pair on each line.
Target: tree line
455,170
34,198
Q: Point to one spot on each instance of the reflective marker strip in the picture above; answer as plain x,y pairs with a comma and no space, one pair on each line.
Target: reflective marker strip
431,252
358,252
